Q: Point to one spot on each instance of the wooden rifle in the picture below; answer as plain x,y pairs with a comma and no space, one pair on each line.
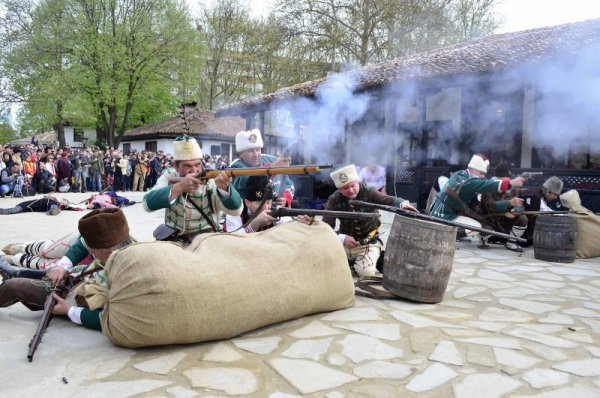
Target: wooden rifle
258,171
287,212
525,213
62,290
44,321
420,216
530,174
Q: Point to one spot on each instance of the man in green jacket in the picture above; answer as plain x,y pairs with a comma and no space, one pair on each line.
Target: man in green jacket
248,145
103,231
464,186
192,206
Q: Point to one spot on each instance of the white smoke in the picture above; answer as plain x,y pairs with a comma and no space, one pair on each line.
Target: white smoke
451,118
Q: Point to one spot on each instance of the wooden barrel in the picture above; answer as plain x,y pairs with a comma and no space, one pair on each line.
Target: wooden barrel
418,259
555,238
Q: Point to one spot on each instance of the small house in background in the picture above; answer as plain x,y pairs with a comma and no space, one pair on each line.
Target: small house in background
75,137
527,99
215,136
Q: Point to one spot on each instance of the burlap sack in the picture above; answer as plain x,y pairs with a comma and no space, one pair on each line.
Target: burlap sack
223,285
588,225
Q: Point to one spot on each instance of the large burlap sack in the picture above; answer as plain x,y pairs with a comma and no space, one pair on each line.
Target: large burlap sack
588,225
223,285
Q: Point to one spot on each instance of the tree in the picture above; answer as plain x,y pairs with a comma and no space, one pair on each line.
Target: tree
228,70
127,49
7,133
36,60
365,31
89,62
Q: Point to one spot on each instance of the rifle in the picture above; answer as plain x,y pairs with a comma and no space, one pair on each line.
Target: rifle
525,213
420,216
530,174
285,211
44,321
258,171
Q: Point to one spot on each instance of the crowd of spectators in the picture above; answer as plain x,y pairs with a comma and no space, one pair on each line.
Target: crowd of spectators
29,169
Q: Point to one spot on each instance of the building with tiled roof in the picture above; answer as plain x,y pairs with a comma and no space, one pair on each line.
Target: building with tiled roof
75,137
528,99
215,136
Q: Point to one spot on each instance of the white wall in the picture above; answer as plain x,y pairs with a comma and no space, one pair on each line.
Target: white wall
166,145
90,134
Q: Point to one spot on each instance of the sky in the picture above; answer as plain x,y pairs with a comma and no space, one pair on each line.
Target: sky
517,14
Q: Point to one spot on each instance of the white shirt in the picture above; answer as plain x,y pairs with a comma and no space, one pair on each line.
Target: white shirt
372,179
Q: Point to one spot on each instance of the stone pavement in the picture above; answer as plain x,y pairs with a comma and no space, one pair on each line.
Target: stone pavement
509,325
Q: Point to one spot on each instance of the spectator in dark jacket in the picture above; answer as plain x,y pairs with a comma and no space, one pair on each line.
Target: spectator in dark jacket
63,168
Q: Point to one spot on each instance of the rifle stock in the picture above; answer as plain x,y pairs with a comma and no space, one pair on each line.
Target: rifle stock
44,321
259,171
287,212
424,217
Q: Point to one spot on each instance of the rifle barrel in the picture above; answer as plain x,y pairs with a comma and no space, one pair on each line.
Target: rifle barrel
284,211
421,216
525,213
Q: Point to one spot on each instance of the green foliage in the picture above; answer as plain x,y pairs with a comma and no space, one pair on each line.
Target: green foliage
117,64
93,62
7,133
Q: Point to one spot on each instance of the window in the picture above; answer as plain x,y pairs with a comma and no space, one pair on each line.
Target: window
127,148
151,146
78,135
215,150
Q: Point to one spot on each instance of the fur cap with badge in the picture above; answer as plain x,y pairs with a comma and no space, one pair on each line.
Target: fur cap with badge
248,139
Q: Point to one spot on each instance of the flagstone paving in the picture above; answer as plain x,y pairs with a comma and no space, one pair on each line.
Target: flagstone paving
509,325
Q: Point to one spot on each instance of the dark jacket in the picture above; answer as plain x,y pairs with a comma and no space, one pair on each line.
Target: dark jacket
359,228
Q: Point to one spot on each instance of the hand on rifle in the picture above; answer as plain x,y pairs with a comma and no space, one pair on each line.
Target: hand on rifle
61,307
189,184
57,275
517,182
223,181
350,242
282,160
407,206
262,220
281,202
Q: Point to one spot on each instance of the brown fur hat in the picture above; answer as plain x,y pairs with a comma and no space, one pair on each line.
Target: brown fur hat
103,228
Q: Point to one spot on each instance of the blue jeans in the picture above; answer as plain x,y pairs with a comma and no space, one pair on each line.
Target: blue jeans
84,177
96,182
77,178
10,187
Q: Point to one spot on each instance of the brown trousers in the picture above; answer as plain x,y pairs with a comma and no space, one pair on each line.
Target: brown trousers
31,293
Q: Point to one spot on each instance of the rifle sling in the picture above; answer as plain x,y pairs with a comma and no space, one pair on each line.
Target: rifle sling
210,221
466,210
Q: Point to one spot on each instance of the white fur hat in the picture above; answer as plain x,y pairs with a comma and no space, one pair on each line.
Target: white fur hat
344,176
479,162
186,148
553,184
248,139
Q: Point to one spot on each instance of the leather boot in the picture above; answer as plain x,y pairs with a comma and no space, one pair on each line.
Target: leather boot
7,271
483,242
516,231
